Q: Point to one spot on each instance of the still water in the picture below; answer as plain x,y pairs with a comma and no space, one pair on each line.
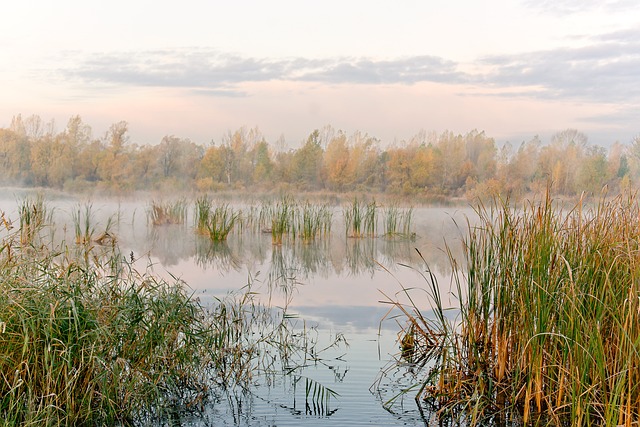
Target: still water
336,287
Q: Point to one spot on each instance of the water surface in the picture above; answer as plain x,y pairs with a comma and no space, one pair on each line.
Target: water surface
336,286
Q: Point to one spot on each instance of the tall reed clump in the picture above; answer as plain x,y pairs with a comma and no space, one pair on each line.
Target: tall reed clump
282,219
549,323
87,340
398,222
34,215
163,213
313,221
360,219
215,222
85,228
94,342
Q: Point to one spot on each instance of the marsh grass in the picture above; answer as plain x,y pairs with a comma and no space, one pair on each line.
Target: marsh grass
398,222
549,323
34,216
282,217
164,213
86,339
86,231
360,220
94,343
215,222
313,221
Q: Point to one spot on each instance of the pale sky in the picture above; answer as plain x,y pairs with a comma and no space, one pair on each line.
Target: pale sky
199,69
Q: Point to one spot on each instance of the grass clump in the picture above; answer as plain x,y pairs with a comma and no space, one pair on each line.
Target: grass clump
92,341
314,221
282,219
548,329
398,222
34,215
85,339
215,222
164,213
360,219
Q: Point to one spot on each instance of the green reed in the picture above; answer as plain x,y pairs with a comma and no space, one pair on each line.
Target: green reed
215,222
34,216
282,219
92,343
549,324
313,221
203,207
360,220
85,228
398,222
163,213
85,339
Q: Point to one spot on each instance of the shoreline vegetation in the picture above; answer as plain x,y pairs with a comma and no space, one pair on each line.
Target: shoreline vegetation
546,331
548,327
426,168
86,339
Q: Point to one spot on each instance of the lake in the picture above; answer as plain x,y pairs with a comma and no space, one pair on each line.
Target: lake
332,288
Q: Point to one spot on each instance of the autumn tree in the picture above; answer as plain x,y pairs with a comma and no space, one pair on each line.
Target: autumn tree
363,166
307,163
591,175
15,157
455,166
263,166
516,171
336,160
114,161
559,161
216,164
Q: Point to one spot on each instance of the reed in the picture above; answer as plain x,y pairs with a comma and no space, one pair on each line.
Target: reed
313,221
93,343
360,220
282,219
221,222
215,222
163,213
34,216
85,339
203,207
549,323
398,222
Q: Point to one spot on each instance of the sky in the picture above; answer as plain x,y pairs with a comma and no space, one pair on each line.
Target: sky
201,69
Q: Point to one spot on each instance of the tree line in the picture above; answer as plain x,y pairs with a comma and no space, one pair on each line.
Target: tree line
428,165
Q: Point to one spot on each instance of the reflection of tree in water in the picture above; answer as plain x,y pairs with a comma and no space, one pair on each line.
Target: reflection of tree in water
394,251
283,271
170,243
360,256
313,258
215,254
252,247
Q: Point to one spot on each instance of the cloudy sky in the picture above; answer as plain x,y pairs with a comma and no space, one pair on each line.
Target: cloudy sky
198,69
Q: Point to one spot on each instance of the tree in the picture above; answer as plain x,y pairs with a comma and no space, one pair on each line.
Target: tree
114,162
15,157
169,155
263,165
307,163
592,171
215,164
336,159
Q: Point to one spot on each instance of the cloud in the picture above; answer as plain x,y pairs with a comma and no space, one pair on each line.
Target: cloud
569,7
603,69
209,69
